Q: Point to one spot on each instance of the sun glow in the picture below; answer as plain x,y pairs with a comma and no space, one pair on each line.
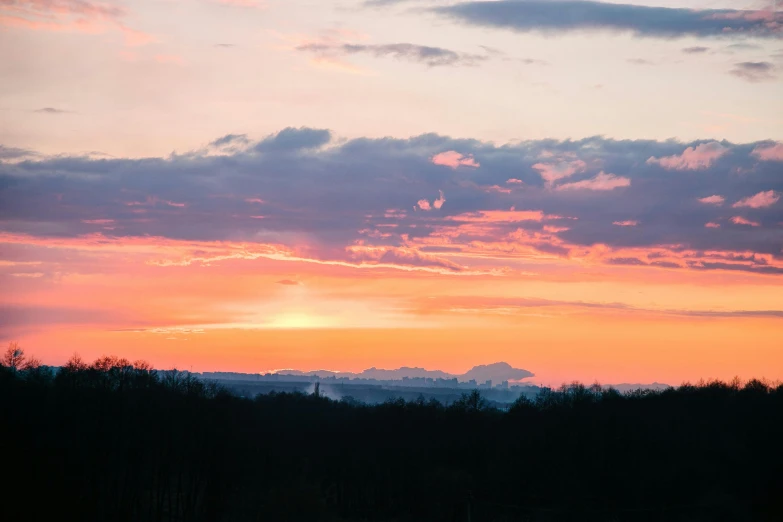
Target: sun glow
300,320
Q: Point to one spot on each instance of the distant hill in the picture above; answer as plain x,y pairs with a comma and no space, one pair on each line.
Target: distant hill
496,372
625,387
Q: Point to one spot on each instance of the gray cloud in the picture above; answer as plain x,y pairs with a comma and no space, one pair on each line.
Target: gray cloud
754,71
430,56
695,50
292,139
51,110
560,16
7,153
742,46
230,139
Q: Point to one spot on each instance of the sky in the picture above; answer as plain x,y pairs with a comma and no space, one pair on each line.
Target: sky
587,190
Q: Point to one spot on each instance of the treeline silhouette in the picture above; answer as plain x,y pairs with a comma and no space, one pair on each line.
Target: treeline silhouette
119,441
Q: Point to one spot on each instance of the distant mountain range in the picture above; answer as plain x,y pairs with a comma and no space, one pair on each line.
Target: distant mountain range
496,372
624,387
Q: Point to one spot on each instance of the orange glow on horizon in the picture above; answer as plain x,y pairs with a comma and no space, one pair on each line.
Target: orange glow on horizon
219,306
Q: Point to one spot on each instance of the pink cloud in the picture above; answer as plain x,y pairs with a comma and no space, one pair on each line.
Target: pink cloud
454,159
554,229
713,200
98,221
241,3
134,38
738,220
514,180
760,200
765,15
254,200
393,213
769,152
551,172
152,201
334,63
50,8
80,16
440,201
712,225
498,216
497,188
400,256
602,181
629,223
693,158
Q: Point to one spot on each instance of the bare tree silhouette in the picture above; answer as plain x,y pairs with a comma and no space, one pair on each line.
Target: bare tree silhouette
14,357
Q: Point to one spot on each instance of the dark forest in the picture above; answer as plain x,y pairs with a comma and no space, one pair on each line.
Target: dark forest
118,441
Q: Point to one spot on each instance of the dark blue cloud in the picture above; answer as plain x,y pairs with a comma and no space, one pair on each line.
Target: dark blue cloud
292,139
559,16
754,71
230,139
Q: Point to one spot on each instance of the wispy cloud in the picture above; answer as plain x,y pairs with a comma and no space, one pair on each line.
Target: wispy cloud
83,16
640,61
51,110
739,220
429,56
754,72
602,181
712,200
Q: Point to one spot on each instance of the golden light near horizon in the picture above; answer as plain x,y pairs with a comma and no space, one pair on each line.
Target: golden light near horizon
299,320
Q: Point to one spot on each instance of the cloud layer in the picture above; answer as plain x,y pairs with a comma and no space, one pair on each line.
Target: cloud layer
304,194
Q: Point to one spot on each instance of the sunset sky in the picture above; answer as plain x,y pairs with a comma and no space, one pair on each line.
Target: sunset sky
588,190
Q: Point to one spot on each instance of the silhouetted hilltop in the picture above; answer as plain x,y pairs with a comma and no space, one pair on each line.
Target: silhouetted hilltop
496,372
626,387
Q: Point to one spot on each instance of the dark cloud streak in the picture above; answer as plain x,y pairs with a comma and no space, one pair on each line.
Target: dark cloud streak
430,56
657,22
754,72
